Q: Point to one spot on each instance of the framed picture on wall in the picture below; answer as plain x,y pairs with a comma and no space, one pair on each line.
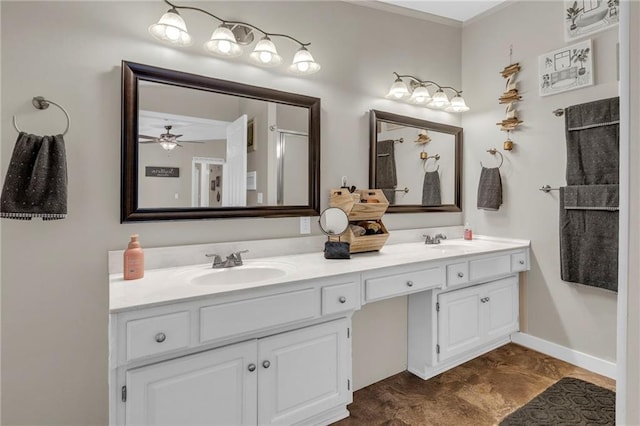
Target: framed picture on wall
584,17
568,68
251,142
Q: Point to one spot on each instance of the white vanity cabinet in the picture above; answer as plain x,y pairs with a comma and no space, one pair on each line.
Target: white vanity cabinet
282,379
474,313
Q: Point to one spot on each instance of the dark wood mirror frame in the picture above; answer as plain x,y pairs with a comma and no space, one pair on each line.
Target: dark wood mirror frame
374,116
130,212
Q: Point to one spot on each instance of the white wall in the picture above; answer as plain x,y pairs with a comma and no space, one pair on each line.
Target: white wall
575,316
54,274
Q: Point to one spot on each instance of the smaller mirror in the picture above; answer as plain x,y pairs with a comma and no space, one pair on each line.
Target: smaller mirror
334,222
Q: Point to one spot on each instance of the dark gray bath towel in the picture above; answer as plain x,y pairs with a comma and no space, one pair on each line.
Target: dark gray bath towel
386,178
592,133
431,189
589,236
490,189
36,181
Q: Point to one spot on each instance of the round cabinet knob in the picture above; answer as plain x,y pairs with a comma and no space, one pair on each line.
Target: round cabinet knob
521,262
460,275
342,299
251,367
160,337
410,283
266,364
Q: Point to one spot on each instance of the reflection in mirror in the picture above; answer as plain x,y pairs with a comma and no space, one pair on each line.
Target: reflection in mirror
417,163
334,221
196,147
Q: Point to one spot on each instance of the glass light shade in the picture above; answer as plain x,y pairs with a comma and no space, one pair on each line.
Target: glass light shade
223,43
420,96
303,63
457,105
398,90
168,145
265,53
439,100
171,29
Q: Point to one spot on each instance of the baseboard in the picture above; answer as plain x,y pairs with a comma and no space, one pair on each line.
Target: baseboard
580,359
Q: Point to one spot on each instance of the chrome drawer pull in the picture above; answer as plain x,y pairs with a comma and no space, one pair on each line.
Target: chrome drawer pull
266,364
460,275
251,367
160,337
342,299
410,283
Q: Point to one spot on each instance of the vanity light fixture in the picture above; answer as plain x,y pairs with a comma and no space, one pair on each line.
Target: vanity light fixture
417,93
227,40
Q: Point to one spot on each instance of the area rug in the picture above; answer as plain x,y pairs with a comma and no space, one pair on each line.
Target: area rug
569,401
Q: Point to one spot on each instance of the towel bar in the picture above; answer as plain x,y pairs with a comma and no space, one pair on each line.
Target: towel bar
546,189
405,190
41,103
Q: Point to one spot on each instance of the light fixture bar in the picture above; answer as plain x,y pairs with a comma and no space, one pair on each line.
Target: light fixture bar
419,94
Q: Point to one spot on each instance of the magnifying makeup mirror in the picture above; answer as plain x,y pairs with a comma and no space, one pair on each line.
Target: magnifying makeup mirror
334,222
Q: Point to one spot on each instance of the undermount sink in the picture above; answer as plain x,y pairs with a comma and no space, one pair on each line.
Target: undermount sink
249,273
458,246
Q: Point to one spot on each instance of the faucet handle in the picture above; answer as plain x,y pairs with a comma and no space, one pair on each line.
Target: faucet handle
217,260
440,236
237,256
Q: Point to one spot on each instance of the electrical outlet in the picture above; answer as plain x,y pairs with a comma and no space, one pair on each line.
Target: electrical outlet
305,225
259,201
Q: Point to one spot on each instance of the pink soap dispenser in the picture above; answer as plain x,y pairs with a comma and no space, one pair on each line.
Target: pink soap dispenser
468,233
133,260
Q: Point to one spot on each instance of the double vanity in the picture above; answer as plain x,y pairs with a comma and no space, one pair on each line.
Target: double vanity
269,342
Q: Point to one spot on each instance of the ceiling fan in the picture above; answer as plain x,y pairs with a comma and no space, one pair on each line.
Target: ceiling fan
168,140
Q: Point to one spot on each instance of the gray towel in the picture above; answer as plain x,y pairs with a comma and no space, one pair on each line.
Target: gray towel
490,189
36,181
588,245
431,189
592,133
386,178
591,197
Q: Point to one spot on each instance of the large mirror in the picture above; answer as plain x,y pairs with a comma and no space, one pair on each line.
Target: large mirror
416,163
195,147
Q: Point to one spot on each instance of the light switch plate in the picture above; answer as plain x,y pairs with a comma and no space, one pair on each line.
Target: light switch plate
305,225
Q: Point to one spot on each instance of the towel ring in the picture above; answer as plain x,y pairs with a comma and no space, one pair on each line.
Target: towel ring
426,160
494,151
41,103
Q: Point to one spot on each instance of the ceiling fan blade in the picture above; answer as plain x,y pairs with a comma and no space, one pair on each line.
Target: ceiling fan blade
176,136
192,141
146,137
154,141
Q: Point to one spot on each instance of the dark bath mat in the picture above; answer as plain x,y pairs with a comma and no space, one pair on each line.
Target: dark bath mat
569,401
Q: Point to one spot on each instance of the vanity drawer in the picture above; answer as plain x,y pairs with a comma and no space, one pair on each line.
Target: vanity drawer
156,335
457,274
519,262
236,318
410,282
340,298
489,267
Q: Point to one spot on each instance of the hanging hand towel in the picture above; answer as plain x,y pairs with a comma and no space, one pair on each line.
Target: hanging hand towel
36,181
386,178
490,189
431,189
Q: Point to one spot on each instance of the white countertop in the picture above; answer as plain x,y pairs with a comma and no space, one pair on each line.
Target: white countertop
169,285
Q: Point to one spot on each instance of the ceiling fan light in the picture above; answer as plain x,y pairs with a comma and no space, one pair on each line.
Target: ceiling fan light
420,96
265,53
171,29
303,63
168,145
457,104
398,90
223,43
439,100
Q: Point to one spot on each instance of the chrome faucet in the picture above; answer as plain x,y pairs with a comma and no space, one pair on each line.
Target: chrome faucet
434,240
234,259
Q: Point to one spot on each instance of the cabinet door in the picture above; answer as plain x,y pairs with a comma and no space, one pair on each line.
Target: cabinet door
502,305
303,373
210,388
459,321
